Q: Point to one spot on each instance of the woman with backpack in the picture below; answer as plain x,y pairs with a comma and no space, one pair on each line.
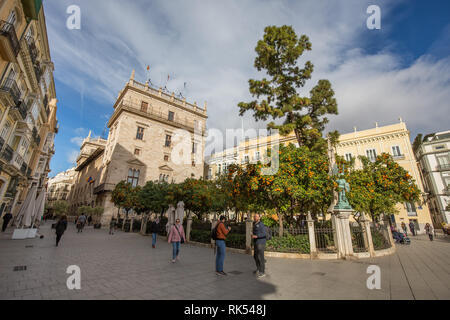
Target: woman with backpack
176,237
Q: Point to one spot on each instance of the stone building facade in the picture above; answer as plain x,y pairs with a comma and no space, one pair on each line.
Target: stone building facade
153,136
60,185
28,121
433,156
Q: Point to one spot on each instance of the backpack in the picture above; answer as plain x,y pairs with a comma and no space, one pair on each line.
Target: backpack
214,232
268,233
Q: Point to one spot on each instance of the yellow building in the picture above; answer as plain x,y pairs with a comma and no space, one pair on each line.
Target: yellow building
393,139
27,101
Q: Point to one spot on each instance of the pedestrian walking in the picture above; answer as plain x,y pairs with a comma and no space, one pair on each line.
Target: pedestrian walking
259,236
412,227
89,220
404,228
154,229
61,227
112,226
176,237
6,218
429,230
221,232
80,223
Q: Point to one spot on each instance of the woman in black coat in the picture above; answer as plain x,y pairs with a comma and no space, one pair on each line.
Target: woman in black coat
61,226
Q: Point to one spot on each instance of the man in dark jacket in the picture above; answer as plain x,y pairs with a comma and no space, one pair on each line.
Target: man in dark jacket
412,228
259,236
6,218
61,226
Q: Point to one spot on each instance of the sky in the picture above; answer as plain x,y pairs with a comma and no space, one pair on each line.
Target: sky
401,70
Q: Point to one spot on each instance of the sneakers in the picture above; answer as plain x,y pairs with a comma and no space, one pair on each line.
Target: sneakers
255,272
261,275
221,273
173,261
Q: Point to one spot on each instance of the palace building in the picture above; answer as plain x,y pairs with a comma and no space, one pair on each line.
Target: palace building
153,136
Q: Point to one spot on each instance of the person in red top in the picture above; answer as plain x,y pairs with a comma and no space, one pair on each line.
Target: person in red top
222,232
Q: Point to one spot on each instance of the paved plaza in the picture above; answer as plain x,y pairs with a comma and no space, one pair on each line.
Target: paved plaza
124,266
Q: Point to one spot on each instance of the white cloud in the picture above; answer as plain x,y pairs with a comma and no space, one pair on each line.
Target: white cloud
77,140
210,45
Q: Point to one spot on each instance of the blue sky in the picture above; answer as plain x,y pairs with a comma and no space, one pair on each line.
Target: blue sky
402,70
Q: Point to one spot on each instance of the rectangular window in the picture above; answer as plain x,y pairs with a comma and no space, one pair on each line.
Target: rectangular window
171,116
166,158
348,157
5,130
133,177
219,167
193,163
194,147
371,154
411,209
168,141
140,133
144,106
396,151
246,158
257,155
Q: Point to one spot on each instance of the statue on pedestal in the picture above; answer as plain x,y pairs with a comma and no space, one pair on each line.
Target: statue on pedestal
343,188
179,212
170,213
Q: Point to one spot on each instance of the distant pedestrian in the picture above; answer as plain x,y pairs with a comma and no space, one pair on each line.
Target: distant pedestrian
112,226
6,218
222,232
154,229
429,230
89,220
176,237
61,227
259,236
81,222
412,228
405,229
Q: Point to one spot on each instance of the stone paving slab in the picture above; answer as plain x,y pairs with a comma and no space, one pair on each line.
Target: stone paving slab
124,266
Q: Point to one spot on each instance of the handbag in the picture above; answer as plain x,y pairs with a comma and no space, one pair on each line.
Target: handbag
182,239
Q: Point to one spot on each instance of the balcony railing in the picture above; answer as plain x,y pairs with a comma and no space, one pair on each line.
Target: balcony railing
22,108
10,86
2,143
32,48
8,31
17,160
7,153
444,167
23,168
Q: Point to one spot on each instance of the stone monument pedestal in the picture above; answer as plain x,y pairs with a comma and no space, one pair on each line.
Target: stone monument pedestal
343,233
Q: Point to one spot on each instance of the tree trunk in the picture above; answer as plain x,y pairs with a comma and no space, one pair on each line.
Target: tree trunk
280,227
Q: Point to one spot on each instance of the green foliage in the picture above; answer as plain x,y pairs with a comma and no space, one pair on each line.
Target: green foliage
289,243
277,97
203,236
86,210
378,239
122,196
59,207
379,186
269,220
235,240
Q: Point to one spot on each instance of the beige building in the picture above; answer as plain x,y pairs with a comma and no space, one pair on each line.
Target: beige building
27,101
433,156
392,139
153,136
395,140
60,185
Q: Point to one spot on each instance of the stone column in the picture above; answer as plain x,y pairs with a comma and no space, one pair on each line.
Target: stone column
188,228
131,224
368,242
248,236
312,237
143,224
343,233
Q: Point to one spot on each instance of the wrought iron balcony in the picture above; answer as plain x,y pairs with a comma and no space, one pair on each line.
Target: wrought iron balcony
9,44
2,143
22,108
32,48
17,160
10,88
23,168
7,154
29,172
31,8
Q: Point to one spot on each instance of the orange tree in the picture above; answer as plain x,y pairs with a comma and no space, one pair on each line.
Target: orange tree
197,196
378,186
122,197
301,184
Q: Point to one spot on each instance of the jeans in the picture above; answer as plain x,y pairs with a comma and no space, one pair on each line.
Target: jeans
220,255
153,239
259,256
176,249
